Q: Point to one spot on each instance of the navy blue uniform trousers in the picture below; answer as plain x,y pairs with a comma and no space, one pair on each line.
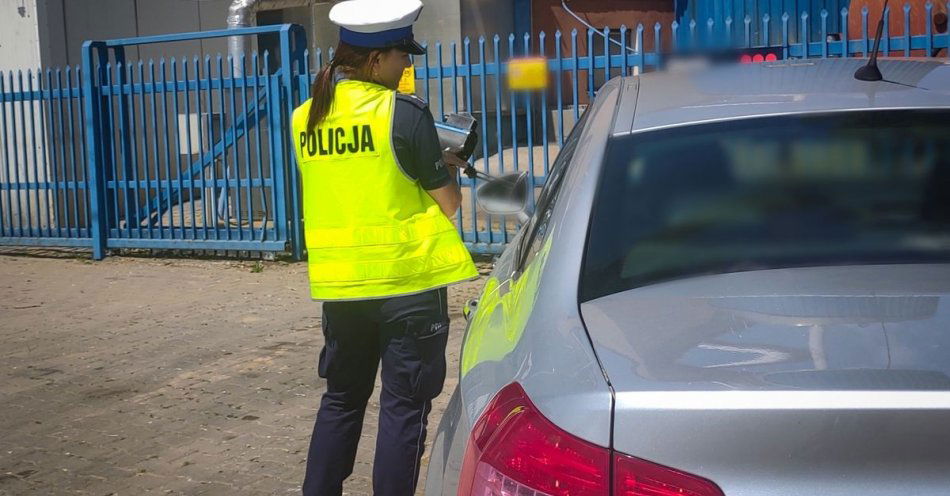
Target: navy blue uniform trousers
408,335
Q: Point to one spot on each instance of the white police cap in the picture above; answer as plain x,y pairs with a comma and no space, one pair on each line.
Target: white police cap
378,23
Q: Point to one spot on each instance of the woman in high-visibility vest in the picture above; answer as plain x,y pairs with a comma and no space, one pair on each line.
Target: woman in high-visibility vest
377,193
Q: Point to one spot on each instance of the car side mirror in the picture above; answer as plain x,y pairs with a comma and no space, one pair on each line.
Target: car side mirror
469,308
504,195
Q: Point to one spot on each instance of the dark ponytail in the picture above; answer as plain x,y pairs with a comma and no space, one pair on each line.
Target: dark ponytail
355,62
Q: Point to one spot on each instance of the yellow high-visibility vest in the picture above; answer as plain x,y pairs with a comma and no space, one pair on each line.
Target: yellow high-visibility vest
371,231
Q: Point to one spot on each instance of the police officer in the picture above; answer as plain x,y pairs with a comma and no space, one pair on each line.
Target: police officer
377,193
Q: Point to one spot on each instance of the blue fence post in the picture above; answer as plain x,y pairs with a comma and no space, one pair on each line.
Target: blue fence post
441,76
824,33
590,65
125,136
542,37
6,214
513,111
606,35
293,42
845,42
674,30
32,199
692,34
277,139
467,60
529,121
499,145
640,52
785,18
623,50
804,39
907,29
575,71
483,107
559,88
866,50
223,203
50,130
455,72
929,41
886,35
727,35
95,159
3,150
748,31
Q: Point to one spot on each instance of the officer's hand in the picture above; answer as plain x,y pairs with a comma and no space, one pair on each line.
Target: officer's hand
453,161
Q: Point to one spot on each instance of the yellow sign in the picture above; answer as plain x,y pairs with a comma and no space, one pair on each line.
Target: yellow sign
407,84
529,73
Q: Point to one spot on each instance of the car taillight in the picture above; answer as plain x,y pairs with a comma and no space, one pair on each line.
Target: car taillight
635,477
514,451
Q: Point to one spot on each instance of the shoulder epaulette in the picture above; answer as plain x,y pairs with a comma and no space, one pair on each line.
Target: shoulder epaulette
413,99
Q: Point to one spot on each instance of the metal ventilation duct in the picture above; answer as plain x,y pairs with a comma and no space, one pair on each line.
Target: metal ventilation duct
243,13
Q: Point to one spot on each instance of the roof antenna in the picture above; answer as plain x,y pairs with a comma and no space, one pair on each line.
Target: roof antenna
870,72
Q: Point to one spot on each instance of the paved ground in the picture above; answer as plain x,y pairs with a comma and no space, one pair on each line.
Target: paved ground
166,376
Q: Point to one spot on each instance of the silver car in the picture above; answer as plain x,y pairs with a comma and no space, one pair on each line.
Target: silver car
735,281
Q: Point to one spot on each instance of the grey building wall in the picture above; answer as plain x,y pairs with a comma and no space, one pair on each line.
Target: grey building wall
80,20
19,37
51,32
59,27
440,21
20,49
487,17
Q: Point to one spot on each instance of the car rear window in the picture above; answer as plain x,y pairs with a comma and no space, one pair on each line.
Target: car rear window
832,189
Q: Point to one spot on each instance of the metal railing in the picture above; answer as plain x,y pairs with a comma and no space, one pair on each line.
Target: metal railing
185,154
44,189
195,154
524,132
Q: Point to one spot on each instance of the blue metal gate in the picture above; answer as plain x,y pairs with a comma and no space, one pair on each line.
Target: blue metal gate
771,11
194,154
182,154
523,131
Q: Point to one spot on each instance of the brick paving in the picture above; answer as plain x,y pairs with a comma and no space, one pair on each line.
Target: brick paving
165,376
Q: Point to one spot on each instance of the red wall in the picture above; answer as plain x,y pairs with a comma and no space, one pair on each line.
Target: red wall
549,16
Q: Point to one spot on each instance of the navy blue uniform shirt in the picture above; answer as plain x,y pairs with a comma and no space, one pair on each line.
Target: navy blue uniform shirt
416,143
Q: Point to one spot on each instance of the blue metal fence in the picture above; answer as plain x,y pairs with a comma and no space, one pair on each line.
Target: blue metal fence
179,155
771,11
523,132
43,201
194,153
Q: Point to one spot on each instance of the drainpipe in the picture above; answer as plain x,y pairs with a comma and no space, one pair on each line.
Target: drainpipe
242,14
